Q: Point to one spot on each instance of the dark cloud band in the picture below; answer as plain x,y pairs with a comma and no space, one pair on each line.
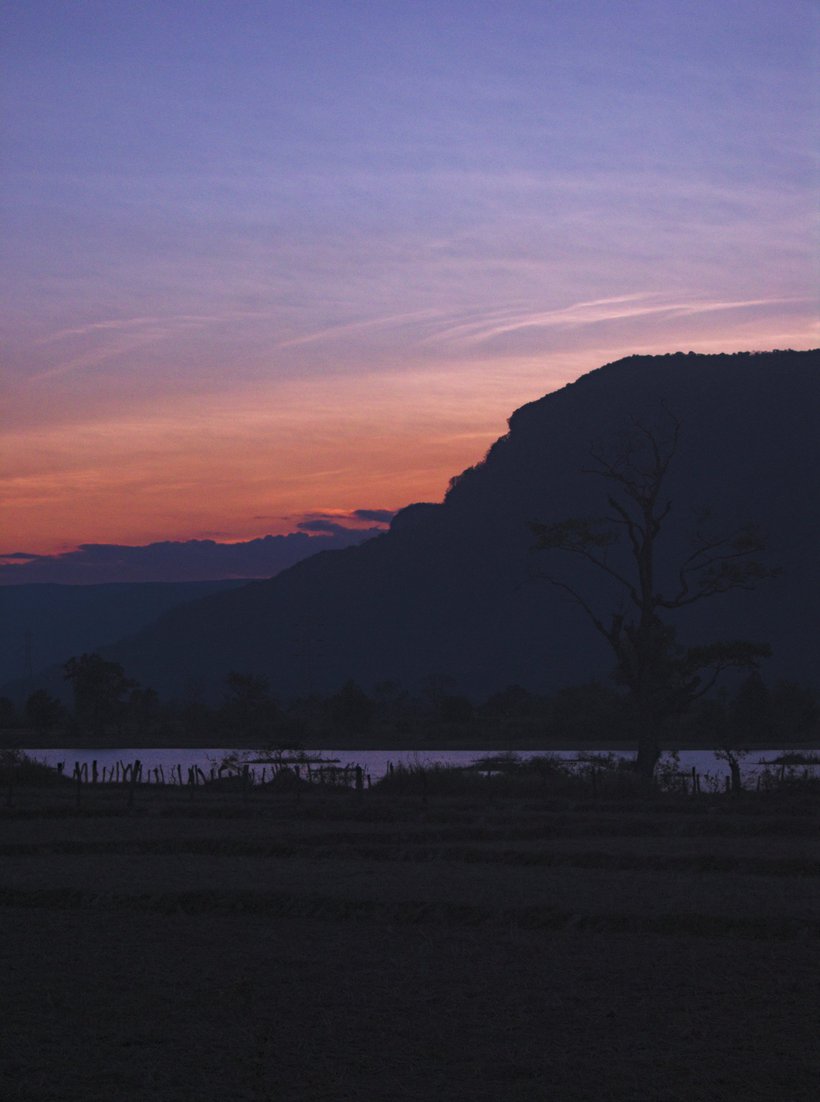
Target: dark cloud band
189,560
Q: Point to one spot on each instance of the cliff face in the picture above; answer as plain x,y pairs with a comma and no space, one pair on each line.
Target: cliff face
454,588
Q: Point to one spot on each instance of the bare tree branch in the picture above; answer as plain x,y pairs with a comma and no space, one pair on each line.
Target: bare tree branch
578,537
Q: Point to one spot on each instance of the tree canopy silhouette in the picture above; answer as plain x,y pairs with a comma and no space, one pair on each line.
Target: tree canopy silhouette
248,707
660,676
99,687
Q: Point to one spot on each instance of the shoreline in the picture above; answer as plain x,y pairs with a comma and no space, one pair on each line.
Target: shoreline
478,746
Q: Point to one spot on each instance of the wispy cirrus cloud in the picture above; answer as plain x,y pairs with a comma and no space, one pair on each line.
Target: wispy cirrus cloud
156,323
622,307
382,321
114,338
437,328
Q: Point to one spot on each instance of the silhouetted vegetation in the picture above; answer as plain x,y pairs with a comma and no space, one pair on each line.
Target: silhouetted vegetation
248,711
44,712
660,676
99,688
751,714
351,709
8,714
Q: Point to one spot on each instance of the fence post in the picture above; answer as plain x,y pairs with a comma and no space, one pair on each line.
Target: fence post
136,769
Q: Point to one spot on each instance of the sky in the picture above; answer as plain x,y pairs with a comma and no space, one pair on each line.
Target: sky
265,263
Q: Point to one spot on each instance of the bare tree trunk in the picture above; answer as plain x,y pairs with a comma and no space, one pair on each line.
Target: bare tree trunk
647,759
648,748
734,769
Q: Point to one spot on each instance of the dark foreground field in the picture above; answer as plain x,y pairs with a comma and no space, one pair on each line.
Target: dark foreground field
409,946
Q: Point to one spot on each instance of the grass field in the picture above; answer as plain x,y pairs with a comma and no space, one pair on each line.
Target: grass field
409,943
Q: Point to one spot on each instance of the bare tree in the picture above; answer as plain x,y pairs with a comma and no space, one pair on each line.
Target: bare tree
660,677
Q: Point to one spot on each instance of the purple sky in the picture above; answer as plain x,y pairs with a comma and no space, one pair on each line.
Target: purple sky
265,260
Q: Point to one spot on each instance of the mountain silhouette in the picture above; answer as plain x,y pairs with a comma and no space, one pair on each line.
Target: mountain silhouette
45,623
456,588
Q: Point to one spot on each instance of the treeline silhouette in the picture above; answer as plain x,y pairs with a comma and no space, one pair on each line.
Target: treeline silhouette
108,704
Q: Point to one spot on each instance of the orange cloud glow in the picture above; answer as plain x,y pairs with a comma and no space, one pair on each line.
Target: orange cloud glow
254,458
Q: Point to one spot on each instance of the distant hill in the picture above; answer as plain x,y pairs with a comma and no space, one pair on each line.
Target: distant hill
452,588
42,624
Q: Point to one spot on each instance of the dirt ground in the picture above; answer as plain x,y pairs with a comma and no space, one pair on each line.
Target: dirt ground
332,947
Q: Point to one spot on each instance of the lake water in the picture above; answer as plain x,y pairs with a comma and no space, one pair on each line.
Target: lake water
375,763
